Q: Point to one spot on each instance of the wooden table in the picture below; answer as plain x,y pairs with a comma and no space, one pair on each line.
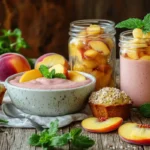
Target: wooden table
17,139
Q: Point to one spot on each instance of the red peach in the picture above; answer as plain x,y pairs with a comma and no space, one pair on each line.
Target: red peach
12,63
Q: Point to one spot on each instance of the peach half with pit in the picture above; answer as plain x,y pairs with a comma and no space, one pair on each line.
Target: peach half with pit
135,133
101,125
50,60
12,63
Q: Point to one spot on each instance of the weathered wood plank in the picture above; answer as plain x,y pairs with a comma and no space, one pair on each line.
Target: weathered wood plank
15,139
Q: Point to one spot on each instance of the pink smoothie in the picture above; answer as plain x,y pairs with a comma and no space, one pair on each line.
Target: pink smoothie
44,83
135,79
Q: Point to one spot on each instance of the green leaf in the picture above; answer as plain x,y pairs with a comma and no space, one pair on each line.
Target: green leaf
75,132
130,23
34,140
52,73
44,137
60,75
145,110
60,140
53,128
44,70
3,121
82,142
17,32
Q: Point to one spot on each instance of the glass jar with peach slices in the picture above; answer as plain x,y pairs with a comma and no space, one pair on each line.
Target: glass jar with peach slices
92,50
135,65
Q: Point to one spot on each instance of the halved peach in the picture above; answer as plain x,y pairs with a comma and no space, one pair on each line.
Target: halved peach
100,46
101,125
75,76
51,60
30,75
59,69
135,133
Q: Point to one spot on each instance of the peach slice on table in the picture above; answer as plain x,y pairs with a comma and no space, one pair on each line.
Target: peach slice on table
101,125
30,75
59,69
51,60
135,133
75,76
100,46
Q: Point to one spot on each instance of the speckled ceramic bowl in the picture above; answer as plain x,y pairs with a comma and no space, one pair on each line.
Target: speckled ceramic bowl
50,102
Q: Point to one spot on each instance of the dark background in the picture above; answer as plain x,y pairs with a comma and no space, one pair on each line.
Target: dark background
45,23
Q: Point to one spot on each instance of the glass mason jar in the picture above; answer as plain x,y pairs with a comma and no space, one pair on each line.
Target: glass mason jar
135,67
92,50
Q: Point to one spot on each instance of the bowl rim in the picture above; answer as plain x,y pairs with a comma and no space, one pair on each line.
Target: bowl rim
91,77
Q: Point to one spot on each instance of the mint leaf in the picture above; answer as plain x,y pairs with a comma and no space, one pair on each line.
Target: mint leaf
131,23
146,19
34,140
145,110
50,139
52,73
60,75
53,127
75,132
82,142
60,140
44,70
3,121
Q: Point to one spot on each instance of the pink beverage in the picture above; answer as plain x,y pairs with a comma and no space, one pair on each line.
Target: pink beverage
135,68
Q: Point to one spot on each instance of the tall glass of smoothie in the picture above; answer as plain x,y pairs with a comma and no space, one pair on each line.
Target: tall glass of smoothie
135,65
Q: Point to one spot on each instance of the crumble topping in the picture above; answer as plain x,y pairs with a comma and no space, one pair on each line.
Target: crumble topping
109,96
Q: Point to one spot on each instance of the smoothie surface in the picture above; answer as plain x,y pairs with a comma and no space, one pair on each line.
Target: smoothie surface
45,83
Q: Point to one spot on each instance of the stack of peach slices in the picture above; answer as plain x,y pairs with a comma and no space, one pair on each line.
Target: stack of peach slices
52,65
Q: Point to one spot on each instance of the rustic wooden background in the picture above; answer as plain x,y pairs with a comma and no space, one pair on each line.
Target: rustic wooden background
45,23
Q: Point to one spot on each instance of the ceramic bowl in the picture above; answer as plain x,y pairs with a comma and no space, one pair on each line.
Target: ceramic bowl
50,102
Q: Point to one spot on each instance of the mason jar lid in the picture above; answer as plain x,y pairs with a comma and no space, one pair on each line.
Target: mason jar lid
77,26
128,41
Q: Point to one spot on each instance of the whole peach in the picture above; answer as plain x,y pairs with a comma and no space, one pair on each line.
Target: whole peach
12,63
51,59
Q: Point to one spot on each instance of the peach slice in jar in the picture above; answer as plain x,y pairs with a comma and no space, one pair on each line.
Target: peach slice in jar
90,53
145,57
135,133
94,30
30,75
101,125
100,46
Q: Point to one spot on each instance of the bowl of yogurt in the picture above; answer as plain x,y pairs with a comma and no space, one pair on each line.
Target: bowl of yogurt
49,97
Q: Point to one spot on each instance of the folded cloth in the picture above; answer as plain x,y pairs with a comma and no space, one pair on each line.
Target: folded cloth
44,121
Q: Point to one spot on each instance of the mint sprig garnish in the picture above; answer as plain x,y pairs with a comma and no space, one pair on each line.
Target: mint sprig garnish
50,139
145,110
50,74
3,121
133,23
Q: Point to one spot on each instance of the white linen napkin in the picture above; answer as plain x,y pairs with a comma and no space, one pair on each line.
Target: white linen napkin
44,121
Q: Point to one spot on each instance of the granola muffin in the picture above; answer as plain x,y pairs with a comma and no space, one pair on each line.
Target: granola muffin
110,102
2,92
